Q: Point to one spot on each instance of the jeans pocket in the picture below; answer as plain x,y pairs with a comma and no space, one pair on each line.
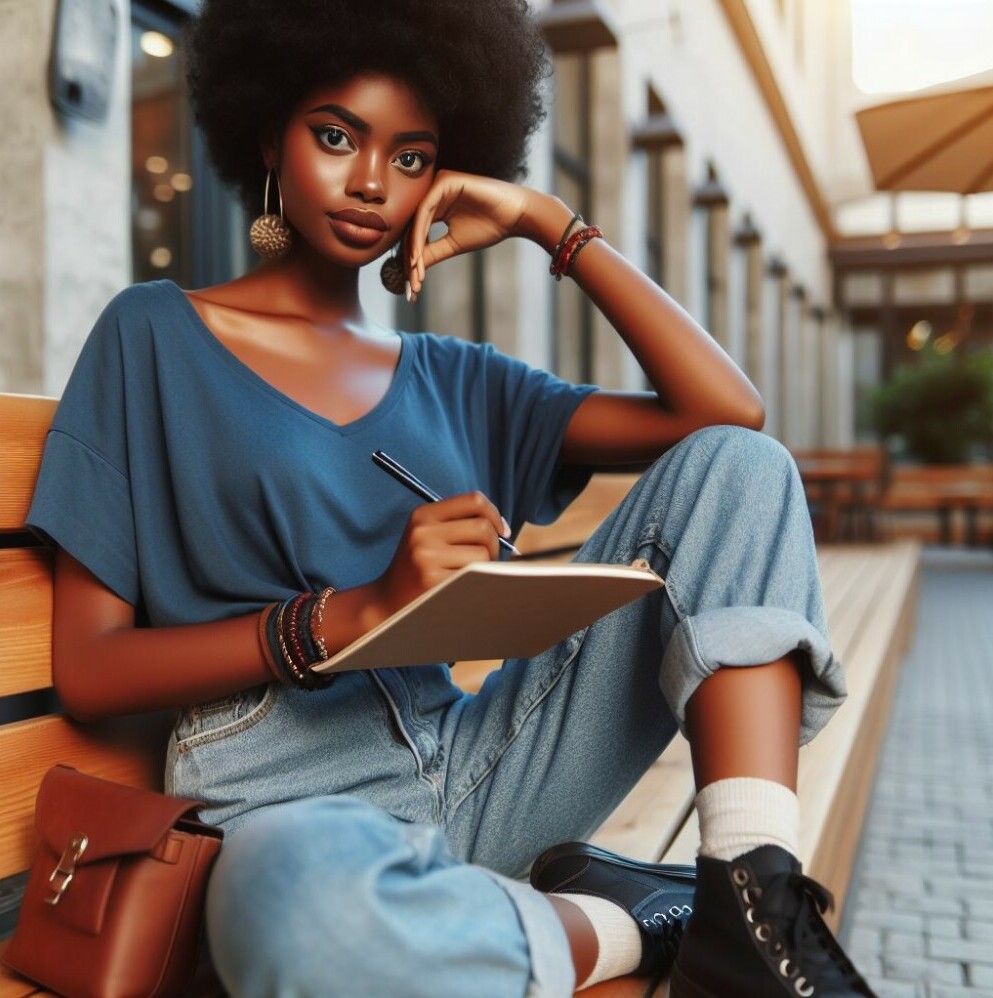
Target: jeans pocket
211,722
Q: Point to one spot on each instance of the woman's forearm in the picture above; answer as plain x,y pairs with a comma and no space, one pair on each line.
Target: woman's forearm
692,375
103,665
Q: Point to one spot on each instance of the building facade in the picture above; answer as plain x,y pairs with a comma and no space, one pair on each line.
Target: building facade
712,140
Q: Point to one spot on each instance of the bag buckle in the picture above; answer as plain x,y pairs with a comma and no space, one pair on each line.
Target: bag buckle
66,867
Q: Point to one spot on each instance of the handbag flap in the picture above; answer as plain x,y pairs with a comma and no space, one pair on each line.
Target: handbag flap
116,819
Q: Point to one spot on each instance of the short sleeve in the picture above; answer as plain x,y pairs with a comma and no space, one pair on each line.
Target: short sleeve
82,499
535,410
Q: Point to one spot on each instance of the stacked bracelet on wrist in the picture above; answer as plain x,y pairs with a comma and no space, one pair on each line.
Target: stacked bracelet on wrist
569,247
289,634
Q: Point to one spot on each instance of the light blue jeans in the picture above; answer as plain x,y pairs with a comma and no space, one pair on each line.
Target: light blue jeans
377,826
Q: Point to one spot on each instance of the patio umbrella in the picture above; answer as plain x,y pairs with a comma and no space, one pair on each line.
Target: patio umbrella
938,140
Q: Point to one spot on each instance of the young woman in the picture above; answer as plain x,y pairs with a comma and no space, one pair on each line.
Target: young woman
220,526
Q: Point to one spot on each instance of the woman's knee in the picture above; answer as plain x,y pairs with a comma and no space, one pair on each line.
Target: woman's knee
296,874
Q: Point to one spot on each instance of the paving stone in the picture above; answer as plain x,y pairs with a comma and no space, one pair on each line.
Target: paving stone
923,889
945,991
980,975
904,944
905,968
976,929
979,907
898,989
949,928
897,920
964,950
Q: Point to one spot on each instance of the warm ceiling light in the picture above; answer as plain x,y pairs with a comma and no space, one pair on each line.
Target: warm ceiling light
181,181
156,164
891,240
161,257
920,333
947,342
154,43
961,235
163,192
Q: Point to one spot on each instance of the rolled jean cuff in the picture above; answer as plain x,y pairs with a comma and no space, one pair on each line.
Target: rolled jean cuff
548,946
744,636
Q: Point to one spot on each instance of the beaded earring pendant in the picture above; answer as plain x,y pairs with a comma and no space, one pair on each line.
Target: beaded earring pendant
269,235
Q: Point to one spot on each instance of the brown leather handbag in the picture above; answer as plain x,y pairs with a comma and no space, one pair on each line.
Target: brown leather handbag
114,902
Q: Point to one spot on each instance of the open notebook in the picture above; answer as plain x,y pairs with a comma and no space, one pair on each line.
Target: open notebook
496,609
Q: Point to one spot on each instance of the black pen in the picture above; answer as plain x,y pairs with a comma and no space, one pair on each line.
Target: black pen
404,477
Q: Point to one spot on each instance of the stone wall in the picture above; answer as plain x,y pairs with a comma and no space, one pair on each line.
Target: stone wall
64,209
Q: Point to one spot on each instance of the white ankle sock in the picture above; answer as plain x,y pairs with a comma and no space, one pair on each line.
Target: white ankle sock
740,814
618,938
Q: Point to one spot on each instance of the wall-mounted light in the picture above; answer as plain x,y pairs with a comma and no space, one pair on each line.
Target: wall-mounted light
157,45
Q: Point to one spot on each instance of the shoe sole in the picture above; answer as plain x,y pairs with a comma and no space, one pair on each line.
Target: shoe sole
674,871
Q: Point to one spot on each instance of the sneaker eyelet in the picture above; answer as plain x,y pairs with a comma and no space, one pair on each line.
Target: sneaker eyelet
801,987
787,969
776,948
740,876
763,933
751,894
750,916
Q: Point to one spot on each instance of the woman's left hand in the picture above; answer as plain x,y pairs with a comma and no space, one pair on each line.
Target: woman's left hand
479,212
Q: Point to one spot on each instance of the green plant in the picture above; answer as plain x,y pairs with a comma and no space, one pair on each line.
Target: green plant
942,406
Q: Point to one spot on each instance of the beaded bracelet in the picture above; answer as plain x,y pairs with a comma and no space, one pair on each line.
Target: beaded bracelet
565,259
290,646
565,235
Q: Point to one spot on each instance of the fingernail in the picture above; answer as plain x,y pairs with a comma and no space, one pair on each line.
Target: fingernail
407,292
506,527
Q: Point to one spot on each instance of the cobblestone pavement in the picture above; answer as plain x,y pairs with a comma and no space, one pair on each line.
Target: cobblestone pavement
919,918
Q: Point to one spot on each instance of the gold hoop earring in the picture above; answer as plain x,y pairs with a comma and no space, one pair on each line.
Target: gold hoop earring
270,236
391,273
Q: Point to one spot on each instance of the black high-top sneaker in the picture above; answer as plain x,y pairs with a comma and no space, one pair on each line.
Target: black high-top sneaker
658,896
757,931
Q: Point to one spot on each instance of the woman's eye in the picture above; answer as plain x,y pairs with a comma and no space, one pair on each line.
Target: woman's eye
333,138
412,161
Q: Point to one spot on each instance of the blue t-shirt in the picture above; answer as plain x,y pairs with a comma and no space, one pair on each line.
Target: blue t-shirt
197,491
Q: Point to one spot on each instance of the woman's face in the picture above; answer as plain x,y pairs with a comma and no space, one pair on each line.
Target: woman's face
355,162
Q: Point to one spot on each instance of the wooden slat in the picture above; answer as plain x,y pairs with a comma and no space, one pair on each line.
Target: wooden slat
837,778
583,515
25,420
128,750
25,620
14,986
646,821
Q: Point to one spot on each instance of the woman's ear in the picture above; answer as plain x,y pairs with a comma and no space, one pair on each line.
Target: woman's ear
270,153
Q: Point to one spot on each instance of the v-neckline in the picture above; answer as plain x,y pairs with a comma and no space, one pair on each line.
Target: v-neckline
245,370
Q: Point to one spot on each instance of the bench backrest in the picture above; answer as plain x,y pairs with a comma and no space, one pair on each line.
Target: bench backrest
129,750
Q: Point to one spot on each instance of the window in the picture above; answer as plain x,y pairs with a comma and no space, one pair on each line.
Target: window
748,241
658,137
184,225
712,199
572,311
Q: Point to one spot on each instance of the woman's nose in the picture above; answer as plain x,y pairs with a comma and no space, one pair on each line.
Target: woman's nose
366,180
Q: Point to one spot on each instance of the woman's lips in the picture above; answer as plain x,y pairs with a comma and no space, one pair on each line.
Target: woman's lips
356,226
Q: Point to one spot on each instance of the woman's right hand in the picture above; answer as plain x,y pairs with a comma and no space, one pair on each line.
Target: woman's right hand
439,539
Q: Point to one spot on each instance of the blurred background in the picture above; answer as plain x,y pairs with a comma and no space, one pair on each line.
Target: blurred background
809,178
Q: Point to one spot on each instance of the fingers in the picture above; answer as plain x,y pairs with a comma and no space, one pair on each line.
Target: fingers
469,505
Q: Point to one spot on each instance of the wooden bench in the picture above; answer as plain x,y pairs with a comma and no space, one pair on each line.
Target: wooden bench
944,494
844,490
870,594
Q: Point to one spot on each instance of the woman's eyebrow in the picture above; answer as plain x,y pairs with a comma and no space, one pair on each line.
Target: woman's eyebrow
365,128
415,137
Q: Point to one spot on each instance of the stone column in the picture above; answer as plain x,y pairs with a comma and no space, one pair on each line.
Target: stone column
65,216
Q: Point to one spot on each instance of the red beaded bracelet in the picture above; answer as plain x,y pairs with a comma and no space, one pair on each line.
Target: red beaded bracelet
566,258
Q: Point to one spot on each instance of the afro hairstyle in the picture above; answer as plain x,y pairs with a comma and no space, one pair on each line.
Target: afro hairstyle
479,66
